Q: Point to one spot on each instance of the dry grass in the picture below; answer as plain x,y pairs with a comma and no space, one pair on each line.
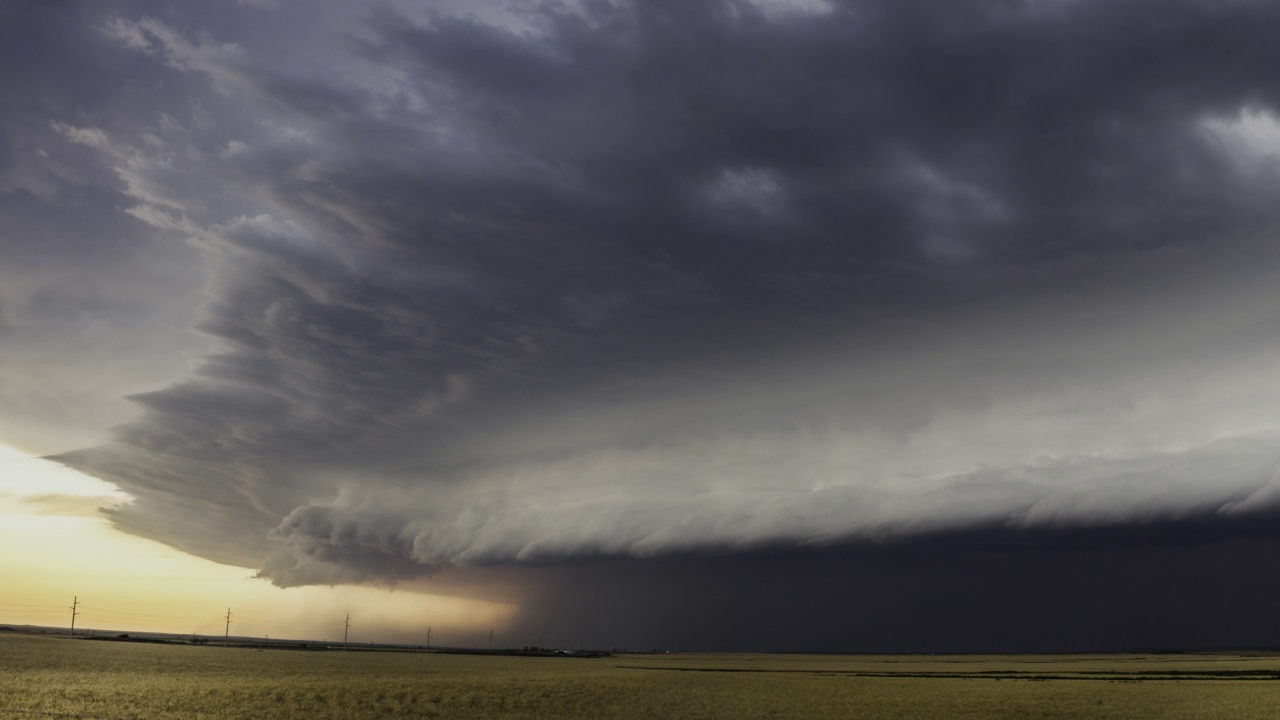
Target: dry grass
40,676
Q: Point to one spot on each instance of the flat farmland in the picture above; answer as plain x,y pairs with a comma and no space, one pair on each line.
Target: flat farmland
58,677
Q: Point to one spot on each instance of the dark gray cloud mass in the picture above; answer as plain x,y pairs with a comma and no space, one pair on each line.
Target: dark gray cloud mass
650,286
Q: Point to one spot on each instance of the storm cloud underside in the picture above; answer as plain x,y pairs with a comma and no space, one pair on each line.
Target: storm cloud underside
634,282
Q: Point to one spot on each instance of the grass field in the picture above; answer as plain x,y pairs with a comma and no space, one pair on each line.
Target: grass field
58,677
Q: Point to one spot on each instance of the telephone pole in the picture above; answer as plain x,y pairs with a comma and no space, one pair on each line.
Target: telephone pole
345,628
75,603
227,633
428,638
490,639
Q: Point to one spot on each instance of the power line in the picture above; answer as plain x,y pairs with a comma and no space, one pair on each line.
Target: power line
304,624
59,611
268,625
146,614
114,617
44,615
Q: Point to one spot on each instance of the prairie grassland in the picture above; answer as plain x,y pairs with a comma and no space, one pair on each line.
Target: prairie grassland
50,676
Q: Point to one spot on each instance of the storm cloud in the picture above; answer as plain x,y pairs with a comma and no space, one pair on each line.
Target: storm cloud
392,289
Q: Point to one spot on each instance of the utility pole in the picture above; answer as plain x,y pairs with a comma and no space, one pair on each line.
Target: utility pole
75,603
428,638
490,639
346,627
227,633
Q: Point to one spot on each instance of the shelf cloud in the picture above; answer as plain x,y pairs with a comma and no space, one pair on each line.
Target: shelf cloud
373,292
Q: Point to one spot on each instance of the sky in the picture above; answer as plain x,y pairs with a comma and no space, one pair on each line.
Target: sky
841,325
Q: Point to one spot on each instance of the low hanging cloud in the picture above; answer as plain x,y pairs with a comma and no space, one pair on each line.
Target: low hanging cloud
645,279
537,519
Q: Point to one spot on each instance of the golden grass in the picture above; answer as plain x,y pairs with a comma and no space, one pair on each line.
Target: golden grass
45,675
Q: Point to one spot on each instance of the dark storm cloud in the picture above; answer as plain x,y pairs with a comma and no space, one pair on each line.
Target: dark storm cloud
1190,585
77,277
640,279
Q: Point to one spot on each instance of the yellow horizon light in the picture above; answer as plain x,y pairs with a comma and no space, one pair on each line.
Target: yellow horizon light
55,547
